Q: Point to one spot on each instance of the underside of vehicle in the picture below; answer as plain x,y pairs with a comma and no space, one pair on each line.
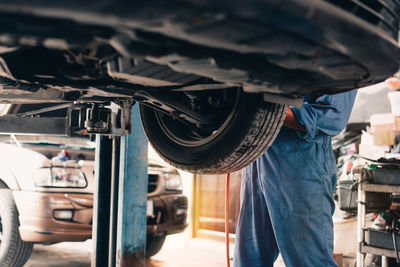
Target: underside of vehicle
213,78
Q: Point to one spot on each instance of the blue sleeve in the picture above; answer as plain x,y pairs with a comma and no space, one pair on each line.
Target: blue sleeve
327,115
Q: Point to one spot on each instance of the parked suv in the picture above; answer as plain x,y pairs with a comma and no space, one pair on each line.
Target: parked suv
46,196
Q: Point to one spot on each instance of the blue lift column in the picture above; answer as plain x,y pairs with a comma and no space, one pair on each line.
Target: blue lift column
132,216
120,198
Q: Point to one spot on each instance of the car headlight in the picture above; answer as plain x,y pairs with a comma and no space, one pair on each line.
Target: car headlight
173,181
60,177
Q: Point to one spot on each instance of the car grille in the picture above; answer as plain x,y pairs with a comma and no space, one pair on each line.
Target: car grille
153,183
381,13
159,217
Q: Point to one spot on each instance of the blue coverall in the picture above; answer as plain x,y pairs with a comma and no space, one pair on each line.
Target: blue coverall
287,194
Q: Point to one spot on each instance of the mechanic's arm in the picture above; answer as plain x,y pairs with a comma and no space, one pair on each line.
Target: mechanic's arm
291,121
328,115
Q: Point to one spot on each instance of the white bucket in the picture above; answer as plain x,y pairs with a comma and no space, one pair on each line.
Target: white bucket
394,98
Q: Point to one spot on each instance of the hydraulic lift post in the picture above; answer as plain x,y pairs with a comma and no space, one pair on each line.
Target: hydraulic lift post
119,213
132,204
115,169
102,200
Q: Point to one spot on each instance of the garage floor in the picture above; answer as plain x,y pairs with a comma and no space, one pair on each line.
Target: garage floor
178,251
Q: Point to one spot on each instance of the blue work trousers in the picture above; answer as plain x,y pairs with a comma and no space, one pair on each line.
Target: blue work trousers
287,205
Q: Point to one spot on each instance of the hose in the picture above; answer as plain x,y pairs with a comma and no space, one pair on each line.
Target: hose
228,175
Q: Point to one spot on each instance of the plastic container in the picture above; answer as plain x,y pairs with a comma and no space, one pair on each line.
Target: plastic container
395,197
388,176
381,239
383,129
347,197
394,98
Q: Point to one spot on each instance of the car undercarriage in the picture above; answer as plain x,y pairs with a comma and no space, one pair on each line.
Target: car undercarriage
213,78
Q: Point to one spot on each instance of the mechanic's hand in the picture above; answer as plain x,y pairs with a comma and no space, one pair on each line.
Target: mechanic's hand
291,121
393,83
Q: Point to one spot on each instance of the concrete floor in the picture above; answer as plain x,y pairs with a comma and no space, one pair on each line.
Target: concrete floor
178,251
65,254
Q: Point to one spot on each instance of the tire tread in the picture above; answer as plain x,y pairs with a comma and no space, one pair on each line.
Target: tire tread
262,130
18,251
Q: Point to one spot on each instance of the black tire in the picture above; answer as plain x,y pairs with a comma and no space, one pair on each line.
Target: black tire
247,132
26,251
13,251
154,244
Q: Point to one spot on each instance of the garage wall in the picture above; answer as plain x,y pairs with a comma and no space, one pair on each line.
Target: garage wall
209,204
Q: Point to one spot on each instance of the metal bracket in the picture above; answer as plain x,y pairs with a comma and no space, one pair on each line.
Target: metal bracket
98,119
81,119
36,125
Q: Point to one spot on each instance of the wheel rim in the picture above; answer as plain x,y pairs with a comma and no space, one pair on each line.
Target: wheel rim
191,136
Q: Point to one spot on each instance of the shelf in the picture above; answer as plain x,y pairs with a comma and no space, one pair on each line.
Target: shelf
380,188
378,251
363,248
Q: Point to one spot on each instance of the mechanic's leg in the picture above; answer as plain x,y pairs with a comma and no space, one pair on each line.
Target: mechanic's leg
255,241
301,209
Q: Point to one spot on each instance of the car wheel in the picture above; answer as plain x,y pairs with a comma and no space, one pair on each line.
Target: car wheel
13,251
244,129
154,244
